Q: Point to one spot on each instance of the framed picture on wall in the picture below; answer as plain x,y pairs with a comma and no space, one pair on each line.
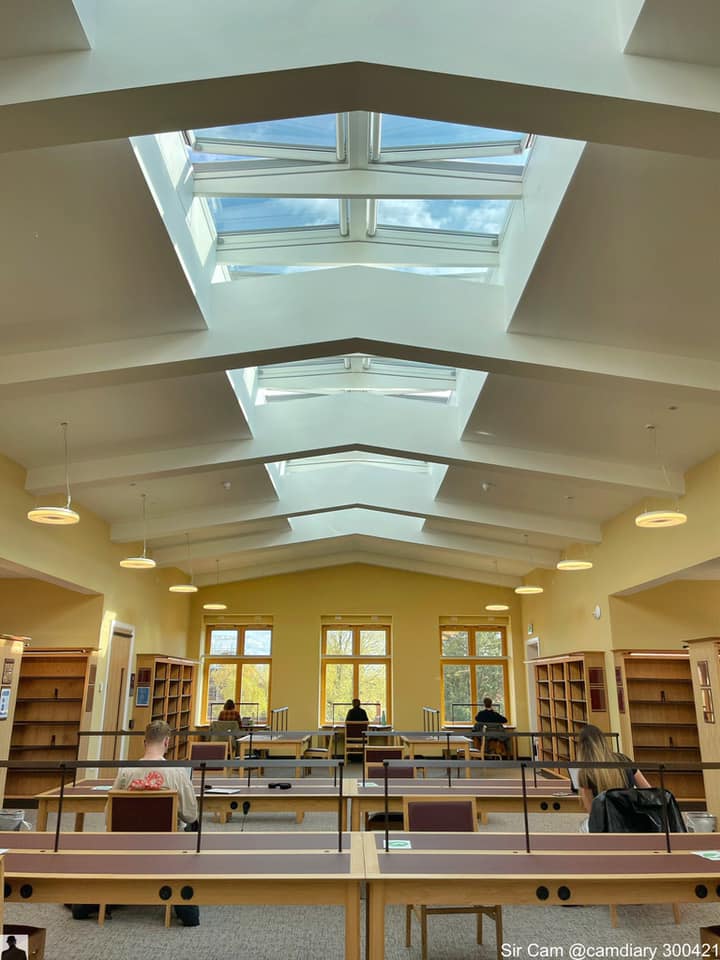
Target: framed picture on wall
7,673
4,702
142,697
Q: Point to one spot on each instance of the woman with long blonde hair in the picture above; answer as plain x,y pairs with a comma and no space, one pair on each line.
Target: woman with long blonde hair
592,747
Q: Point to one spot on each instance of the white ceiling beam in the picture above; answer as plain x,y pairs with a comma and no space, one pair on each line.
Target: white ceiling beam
342,488
363,523
280,320
355,184
254,569
563,74
383,425
256,252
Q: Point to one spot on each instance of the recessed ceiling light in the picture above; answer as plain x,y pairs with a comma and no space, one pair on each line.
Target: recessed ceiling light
660,518
528,590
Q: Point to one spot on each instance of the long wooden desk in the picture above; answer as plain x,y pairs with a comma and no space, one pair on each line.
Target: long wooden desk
437,741
294,744
492,796
306,869
306,795
465,869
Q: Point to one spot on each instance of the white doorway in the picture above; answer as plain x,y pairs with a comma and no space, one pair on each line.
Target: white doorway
532,652
117,689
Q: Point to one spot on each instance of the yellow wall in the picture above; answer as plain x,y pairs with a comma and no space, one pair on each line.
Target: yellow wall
81,556
666,616
415,602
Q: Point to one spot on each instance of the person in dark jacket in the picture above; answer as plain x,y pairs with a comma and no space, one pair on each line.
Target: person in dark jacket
356,713
488,715
13,952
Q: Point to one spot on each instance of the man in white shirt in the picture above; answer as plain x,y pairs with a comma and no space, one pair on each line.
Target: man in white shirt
157,740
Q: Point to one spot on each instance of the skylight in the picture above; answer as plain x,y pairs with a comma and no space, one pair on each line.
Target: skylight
354,373
358,188
352,458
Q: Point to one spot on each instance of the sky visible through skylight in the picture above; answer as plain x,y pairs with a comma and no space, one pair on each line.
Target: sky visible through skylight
502,152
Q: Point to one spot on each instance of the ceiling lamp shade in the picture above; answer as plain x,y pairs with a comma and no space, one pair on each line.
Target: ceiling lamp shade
573,565
528,590
144,562
58,516
218,604
496,607
651,519
186,587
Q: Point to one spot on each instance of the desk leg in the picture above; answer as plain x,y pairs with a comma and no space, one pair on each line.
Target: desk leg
42,817
299,816
468,771
376,907
79,822
352,921
483,817
354,814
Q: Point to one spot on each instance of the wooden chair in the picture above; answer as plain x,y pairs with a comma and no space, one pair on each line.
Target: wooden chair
376,755
320,753
207,750
376,772
355,738
155,811
445,814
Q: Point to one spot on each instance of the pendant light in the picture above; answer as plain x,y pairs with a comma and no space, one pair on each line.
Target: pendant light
652,519
186,587
566,563
529,589
218,605
144,562
496,607
60,516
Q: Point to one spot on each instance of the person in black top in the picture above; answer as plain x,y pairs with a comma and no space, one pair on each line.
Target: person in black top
356,712
488,715
13,952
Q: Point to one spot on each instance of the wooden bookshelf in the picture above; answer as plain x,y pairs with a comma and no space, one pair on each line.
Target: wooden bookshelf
54,701
570,692
657,715
169,685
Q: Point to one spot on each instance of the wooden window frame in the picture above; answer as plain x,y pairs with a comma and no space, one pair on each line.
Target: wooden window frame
239,660
356,659
472,661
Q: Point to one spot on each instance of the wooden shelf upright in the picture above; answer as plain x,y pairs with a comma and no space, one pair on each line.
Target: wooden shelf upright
657,714
54,701
170,683
570,692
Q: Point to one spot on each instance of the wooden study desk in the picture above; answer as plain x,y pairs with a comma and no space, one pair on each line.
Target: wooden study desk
464,869
264,742
492,796
273,869
306,795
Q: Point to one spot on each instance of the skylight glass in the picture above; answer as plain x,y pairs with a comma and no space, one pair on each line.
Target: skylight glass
316,131
478,217
240,214
360,457
399,132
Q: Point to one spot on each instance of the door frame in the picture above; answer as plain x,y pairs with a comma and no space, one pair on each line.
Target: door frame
127,631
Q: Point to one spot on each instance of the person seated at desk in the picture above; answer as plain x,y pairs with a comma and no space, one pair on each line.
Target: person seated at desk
592,747
229,712
489,718
157,741
356,713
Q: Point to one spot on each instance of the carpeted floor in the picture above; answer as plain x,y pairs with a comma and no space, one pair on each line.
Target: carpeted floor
284,933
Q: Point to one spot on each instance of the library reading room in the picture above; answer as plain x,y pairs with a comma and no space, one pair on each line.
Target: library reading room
360,479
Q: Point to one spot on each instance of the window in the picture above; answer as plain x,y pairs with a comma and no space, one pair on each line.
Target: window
473,666
355,664
237,667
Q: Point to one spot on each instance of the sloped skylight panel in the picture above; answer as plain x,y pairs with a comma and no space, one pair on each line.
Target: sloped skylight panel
477,217
243,214
399,132
306,131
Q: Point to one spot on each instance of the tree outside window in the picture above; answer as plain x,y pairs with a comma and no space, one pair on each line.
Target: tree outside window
237,667
355,664
473,666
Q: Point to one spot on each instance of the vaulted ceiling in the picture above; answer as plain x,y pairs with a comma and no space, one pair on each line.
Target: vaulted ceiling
328,283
